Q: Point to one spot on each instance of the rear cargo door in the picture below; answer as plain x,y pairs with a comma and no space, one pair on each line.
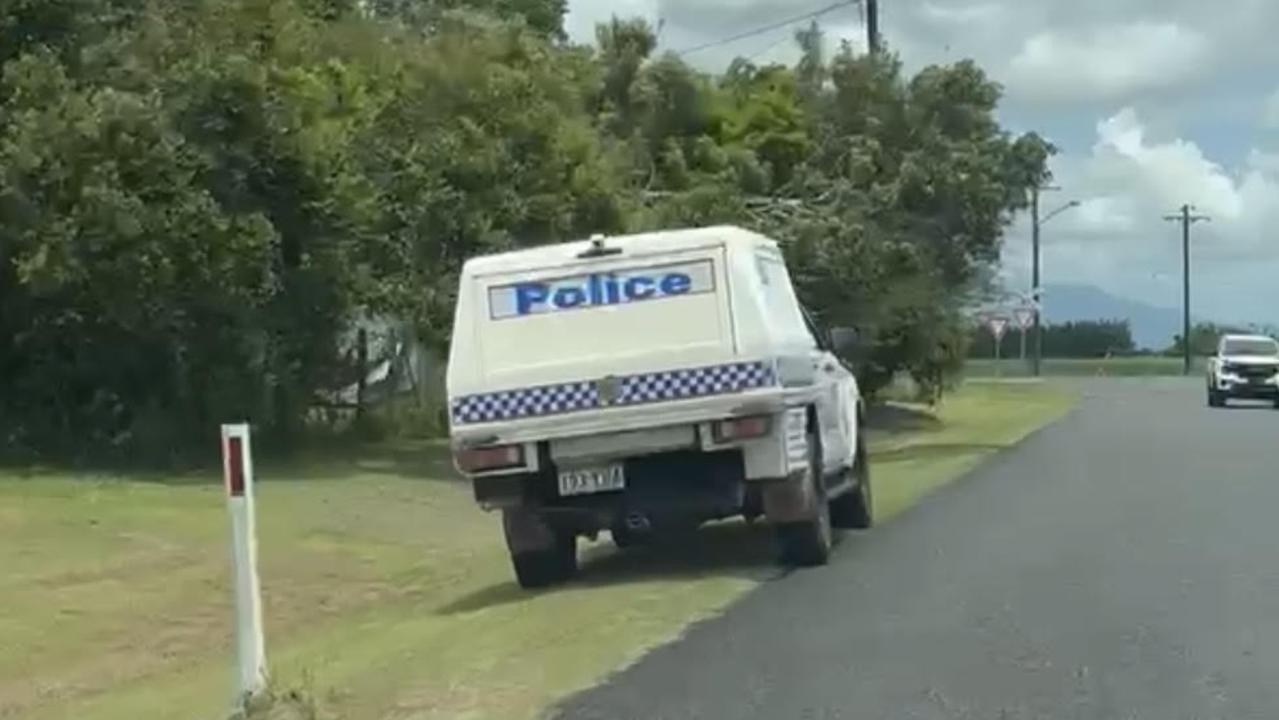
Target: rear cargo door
616,315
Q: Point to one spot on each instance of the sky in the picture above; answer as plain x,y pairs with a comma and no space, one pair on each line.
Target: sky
1153,103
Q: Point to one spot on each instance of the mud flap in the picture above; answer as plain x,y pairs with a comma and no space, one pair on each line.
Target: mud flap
793,498
790,500
526,531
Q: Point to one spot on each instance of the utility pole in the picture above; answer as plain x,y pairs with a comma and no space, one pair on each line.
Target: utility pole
1034,281
1186,218
1035,289
872,26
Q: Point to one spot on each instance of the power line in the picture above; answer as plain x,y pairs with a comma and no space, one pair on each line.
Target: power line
755,55
787,37
767,28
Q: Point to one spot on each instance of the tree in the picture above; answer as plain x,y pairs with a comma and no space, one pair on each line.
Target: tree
1078,339
483,145
545,17
761,112
810,72
192,220
1204,338
907,191
199,199
623,46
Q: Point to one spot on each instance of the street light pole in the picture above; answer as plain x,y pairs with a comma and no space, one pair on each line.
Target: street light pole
1036,291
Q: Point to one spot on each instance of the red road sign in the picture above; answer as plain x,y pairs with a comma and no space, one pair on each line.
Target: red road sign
997,324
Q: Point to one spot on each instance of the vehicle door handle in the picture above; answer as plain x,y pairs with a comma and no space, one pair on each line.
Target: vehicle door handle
829,367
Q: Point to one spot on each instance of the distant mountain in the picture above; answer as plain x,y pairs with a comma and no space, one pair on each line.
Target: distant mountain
1152,327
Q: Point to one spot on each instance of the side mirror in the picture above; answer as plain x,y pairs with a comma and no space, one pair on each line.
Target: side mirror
844,339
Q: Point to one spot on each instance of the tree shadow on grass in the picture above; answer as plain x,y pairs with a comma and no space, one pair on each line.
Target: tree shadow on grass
893,418
406,459
734,549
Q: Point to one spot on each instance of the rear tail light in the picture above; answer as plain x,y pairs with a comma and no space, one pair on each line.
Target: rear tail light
481,459
742,428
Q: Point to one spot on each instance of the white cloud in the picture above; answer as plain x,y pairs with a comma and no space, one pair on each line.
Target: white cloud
1169,173
1106,215
1107,62
1117,239
960,14
1264,162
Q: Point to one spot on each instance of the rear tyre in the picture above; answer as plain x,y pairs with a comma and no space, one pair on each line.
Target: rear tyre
1216,399
854,509
807,543
543,568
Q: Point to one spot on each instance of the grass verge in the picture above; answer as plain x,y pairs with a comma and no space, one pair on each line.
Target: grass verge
1143,366
388,594
937,447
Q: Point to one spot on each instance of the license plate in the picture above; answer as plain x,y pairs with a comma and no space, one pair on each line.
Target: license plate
585,481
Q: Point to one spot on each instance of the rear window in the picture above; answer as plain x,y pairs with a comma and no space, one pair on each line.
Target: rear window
786,322
1250,347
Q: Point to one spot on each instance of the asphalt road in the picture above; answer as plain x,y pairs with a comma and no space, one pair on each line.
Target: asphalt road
1122,563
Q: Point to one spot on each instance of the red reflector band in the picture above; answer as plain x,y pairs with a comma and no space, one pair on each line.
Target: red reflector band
235,466
742,428
490,458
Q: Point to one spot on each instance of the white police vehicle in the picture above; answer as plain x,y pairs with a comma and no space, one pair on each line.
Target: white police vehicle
1245,366
651,382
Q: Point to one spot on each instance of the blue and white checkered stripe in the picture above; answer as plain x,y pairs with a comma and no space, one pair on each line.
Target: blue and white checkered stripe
633,390
694,382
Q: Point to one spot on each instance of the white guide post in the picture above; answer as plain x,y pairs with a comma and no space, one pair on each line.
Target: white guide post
250,645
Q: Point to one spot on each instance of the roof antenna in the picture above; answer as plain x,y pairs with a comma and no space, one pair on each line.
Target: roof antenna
598,248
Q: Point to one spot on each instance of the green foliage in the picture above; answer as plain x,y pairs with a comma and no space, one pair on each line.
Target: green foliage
762,112
624,45
197,199
905,196
1205,336
190,221
1082,339
545,17
1089,339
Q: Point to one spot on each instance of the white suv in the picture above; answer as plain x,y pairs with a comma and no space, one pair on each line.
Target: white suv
1245,366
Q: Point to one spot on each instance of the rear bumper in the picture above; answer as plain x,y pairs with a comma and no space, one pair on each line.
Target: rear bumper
680,486
674,472
633,435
